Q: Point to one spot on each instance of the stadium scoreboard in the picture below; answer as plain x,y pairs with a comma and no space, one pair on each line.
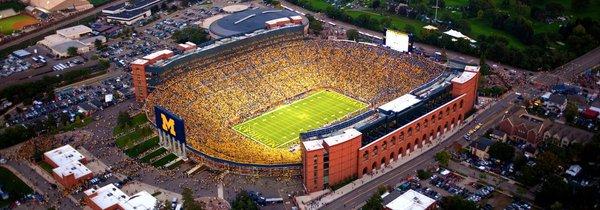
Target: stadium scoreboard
397,40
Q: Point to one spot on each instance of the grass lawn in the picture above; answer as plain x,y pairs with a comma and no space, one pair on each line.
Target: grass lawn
47,167
165,160
77,124
142,147
98,2
283,125
136,120
479,27
398,23
130,138
156,153
13,185
319,5
10,24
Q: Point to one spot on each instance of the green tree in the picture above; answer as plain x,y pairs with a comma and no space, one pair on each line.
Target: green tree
124,120
191,34
98,45
579,5
457,203
502,151
375,4
189,203
72,51
243,202
352,34
423,174
375,202
314,25
442,157
571,111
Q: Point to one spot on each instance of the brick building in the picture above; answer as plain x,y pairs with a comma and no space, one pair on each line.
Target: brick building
522,126
68,166
393,130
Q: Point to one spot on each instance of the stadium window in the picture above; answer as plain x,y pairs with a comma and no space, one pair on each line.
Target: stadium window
384,145
447,111
393,140
433,118
425,123
409,131
402,136
460,105
418,127
366,155
454,107
375,150
440,115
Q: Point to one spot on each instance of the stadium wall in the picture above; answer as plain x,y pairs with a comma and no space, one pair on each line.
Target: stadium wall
331,164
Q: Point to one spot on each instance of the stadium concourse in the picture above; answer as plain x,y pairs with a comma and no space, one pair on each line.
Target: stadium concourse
216,93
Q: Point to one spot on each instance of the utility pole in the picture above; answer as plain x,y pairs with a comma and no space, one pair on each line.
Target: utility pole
436,9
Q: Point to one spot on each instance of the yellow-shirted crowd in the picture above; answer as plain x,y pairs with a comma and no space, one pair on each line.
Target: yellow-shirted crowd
212,95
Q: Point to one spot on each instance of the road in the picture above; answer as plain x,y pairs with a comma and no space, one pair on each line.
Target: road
357,197
61,24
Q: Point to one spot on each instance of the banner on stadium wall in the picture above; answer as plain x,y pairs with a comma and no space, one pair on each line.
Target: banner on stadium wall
169,123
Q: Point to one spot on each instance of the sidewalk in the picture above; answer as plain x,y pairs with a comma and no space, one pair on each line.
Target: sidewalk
309,202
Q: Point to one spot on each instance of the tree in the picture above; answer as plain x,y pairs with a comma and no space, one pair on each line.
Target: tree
423,174
485,69
314,25
547,163
72,51
571,111
191,34
352,34
375,4
554,189
243,202
374,203
442,157
98,44
457,203
502,151
189,203
579,5
124,120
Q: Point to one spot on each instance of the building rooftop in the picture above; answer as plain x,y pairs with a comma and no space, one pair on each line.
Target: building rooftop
156,54
74,31
464,77
401,103
347,135
410,200
64,155
482,144
110,195
235,8
64,47
313,145
76,168
246,21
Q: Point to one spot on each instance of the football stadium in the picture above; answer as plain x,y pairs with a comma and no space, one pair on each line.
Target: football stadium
276,99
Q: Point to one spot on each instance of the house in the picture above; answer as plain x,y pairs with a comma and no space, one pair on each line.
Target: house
522,126
556,103
564,135
498,135
481,147
409,200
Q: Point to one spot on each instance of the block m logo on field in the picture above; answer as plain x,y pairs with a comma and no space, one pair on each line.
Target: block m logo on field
168,124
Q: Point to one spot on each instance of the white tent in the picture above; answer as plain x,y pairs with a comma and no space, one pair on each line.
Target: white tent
458,34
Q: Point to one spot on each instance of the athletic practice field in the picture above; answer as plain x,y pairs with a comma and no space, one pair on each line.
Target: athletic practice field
10,24
283,125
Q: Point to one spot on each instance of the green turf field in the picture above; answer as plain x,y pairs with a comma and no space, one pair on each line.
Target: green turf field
283,125
10,24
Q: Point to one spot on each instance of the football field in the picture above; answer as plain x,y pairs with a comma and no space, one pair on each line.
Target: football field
282,126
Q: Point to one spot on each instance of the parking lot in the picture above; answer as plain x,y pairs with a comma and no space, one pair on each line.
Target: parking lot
78,101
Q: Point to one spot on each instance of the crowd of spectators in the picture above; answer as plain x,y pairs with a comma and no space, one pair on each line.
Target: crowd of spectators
212,95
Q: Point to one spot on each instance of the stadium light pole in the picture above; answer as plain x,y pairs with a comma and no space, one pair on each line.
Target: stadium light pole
436,9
